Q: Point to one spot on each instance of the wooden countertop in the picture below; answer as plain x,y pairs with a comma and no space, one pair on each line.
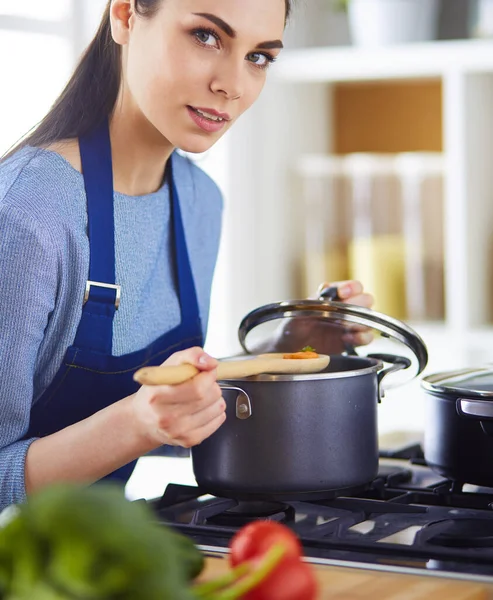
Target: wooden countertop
354,584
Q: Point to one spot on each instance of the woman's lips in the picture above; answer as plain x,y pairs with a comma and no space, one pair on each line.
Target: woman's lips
204,123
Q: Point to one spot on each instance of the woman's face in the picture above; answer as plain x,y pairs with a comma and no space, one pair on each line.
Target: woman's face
196,65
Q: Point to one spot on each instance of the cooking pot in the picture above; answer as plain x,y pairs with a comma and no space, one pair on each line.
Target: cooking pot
289,437
459,425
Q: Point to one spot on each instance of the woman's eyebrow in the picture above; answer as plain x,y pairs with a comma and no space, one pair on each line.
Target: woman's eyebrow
229,31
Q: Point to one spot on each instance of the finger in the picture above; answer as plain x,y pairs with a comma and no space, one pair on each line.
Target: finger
204,432
173,423
190,354
364,300
196,428
353,329
348,289
358,339
202,417
201,391
345,289
192,395
193,356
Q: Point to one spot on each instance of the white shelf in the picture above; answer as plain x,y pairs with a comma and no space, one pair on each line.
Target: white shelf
424,60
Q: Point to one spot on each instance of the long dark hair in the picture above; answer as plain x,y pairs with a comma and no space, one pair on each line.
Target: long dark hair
92,91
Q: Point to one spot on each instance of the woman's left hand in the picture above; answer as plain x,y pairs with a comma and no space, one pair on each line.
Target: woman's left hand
324,336
351,292
327,338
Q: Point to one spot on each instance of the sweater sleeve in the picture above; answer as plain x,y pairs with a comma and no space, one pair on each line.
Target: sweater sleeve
28,284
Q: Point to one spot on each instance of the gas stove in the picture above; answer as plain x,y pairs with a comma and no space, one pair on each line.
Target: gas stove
408,520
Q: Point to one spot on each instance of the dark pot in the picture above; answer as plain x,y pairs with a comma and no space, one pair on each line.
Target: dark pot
459,425
291,437
297,436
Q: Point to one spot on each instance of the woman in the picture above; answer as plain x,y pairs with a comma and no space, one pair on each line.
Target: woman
109,241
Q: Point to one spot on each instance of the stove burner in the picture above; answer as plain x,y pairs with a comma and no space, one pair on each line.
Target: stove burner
458,533
246,511
390,476
409,516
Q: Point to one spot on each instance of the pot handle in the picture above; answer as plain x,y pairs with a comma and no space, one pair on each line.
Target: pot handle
398,363
243,403
332,293
479,410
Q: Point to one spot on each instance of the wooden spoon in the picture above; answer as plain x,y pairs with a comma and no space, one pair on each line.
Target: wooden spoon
233,369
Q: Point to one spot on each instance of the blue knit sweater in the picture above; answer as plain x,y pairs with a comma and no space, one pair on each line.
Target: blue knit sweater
44,264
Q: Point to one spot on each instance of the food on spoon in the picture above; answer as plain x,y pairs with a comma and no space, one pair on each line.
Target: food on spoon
307,352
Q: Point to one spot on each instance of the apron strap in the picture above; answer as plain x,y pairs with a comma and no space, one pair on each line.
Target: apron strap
102,296
189,305
97,168
95,331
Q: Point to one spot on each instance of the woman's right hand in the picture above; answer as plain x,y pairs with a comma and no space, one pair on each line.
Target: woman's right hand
185,414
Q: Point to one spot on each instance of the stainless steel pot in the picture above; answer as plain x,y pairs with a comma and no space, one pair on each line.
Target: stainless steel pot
304,436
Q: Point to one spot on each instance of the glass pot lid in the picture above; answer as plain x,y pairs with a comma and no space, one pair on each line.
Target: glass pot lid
471,383
330,326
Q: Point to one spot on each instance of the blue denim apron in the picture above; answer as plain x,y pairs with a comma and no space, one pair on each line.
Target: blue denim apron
90,378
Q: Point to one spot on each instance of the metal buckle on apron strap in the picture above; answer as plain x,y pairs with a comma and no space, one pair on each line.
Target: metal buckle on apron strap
111,286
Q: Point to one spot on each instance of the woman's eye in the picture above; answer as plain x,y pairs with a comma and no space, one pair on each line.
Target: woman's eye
260,60
206,37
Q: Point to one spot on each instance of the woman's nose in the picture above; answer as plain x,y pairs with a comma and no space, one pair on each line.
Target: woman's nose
228,80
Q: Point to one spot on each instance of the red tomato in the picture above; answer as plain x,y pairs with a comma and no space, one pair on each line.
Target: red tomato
257,538
292,579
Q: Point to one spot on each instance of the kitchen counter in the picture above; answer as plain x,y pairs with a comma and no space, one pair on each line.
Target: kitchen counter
352,584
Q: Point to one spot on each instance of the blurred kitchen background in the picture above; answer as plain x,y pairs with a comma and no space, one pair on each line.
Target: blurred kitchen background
369,156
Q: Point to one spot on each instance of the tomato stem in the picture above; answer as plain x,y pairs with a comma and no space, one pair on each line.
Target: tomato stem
269,562
203,590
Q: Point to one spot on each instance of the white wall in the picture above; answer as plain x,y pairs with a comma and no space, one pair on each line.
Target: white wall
89,13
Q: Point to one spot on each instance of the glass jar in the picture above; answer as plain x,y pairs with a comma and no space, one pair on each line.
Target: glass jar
377,218
377,247
327,218
421,183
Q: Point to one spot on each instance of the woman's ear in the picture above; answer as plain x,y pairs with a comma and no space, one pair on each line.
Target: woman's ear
121,19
